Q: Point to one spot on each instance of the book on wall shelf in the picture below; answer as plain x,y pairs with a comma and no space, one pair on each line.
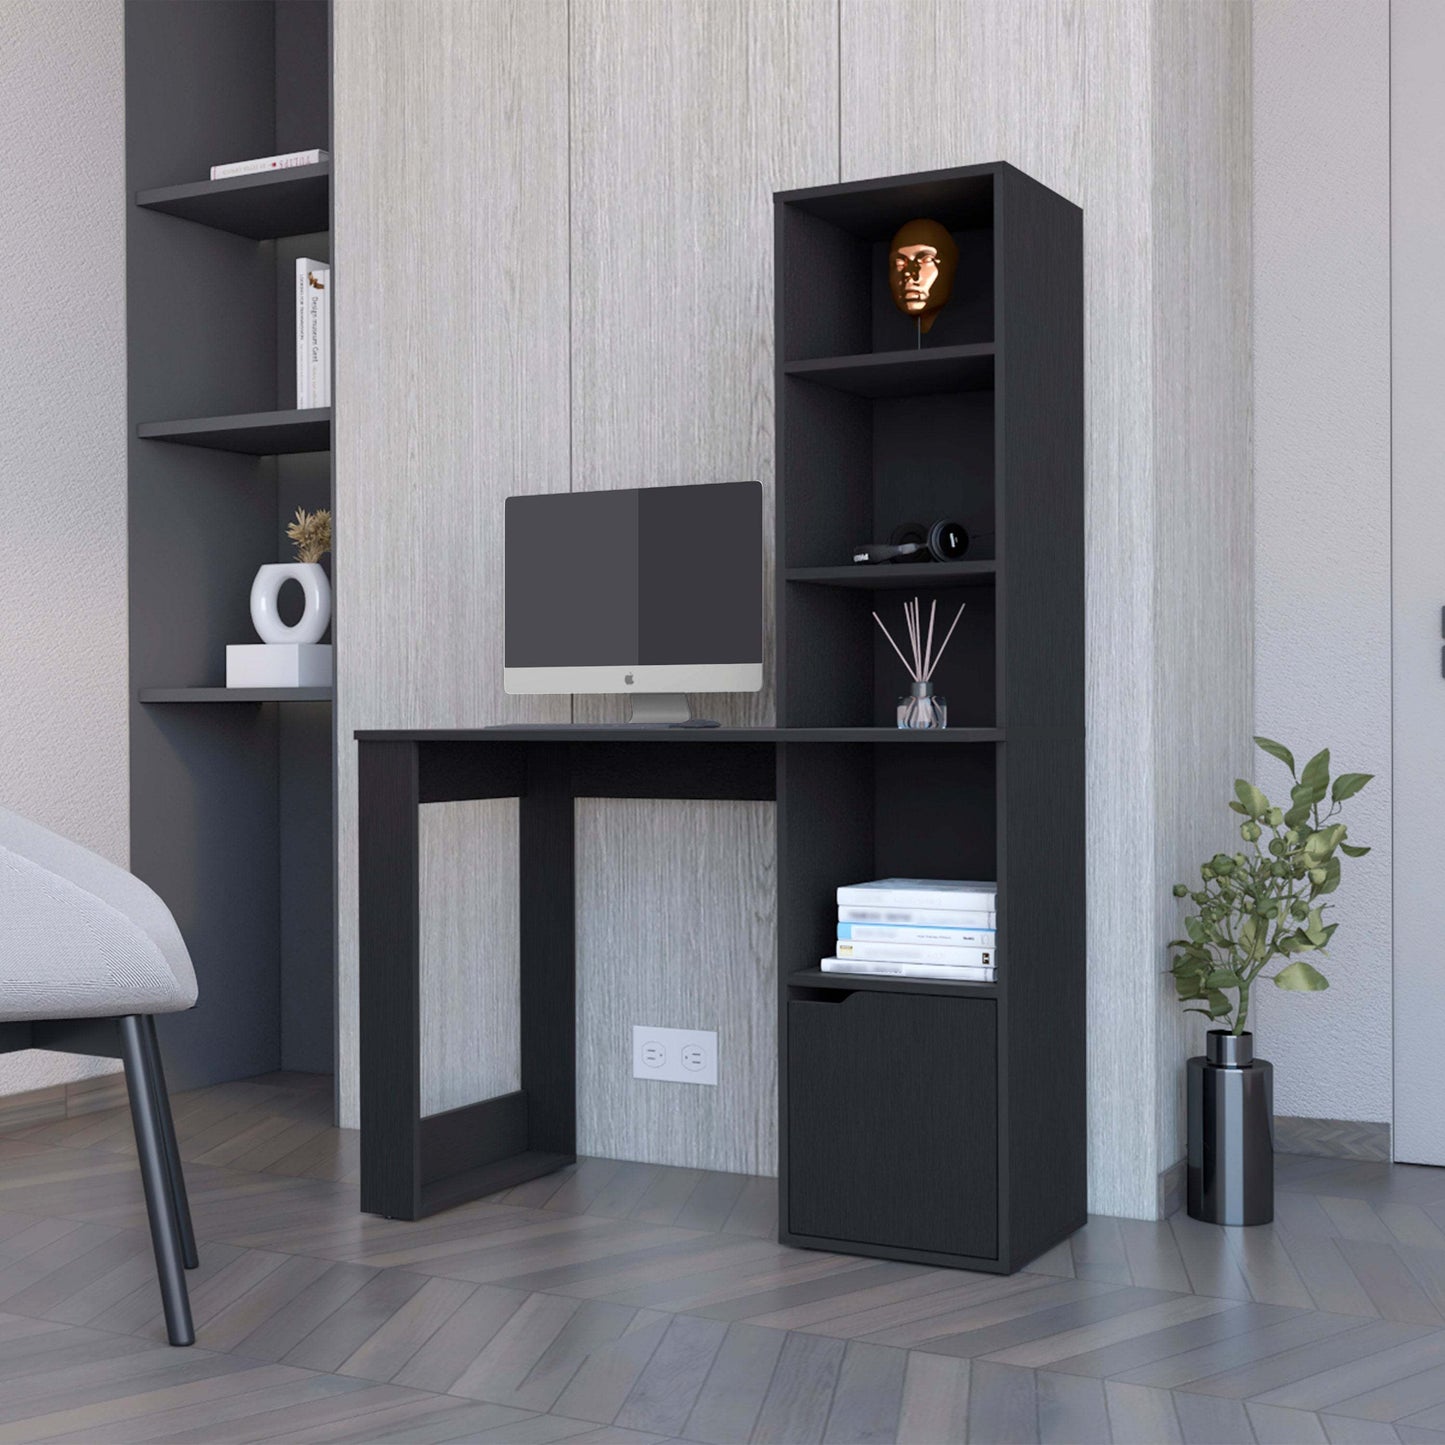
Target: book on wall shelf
254,167
313,333
917,928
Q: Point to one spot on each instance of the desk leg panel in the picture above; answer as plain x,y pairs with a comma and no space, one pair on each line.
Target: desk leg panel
390,978
547,924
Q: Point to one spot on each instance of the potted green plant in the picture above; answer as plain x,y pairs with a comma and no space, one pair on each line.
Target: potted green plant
1262,906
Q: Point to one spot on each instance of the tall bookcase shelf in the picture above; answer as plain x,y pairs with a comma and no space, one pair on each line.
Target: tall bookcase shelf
231,806
901,373
255,434
937,1123
235,694
897,574
293,202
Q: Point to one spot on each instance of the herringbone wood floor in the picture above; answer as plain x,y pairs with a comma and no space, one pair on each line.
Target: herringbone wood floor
619,1302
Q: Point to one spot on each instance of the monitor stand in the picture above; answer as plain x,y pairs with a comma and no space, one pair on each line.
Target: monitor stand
664,709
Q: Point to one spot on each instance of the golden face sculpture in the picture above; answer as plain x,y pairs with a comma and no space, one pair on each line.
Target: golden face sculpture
921,261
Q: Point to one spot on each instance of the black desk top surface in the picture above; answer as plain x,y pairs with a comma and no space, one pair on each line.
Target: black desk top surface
626,733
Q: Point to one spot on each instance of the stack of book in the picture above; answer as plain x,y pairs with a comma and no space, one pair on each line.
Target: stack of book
918,928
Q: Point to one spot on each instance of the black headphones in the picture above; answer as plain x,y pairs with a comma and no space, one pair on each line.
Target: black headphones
944,541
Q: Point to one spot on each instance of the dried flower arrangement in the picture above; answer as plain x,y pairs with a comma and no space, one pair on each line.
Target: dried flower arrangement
311,534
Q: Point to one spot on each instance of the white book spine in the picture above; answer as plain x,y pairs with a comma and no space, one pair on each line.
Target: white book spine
303,371
921,917
321,380
915,897
913,933
957,973
267,163
934,953
318,333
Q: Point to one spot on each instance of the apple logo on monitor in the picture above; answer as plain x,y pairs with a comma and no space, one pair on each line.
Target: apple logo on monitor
628,679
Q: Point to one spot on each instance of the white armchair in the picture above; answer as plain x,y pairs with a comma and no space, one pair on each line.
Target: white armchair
83,940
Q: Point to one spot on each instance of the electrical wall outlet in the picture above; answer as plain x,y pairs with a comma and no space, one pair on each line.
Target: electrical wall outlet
681,1056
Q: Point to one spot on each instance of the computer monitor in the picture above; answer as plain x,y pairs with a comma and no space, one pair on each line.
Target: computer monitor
652,592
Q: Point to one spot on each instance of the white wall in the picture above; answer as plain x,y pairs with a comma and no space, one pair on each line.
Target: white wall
63,704
1322,502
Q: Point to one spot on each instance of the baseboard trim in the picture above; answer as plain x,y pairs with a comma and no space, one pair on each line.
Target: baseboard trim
1320,1138
1332,1138
1171,1188
61,1101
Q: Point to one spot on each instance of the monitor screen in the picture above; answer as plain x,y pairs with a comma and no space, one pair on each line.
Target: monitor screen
653,589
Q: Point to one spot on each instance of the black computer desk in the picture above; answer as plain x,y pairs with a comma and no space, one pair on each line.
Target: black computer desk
413,1166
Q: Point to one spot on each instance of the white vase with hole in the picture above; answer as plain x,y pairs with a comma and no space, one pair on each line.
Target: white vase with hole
292,655
312,624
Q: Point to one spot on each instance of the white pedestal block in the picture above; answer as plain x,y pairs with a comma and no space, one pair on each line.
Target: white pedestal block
279,664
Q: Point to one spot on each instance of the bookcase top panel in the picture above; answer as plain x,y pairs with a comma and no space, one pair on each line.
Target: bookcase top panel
962,199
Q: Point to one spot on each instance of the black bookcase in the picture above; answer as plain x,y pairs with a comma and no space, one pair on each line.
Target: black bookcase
231,805
934,1122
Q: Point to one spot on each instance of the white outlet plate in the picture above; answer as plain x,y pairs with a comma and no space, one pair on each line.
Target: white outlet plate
680,1056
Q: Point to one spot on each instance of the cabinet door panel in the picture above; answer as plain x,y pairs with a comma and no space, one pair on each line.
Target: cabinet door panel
893,1121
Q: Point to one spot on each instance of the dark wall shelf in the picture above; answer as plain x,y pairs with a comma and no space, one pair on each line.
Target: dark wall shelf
231,806
255,434
923,372
236,694
888,575
930,1120
293,202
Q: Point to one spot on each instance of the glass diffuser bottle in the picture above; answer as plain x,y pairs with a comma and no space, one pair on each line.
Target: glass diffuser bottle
922,707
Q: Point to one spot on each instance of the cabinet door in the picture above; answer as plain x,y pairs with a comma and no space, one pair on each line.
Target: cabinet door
893,1121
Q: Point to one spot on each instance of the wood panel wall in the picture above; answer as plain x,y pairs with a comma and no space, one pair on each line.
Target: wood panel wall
686,116
1138,112
1203,491
664,125
451,392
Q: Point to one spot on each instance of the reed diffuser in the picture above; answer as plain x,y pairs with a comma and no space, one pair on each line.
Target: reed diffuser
922,707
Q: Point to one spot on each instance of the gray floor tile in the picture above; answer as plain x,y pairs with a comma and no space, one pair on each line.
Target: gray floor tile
1003,1406
731,1397
1072,1410
1274,1425
606,1378
668,1387
934,1407
1208,1420
1341,1430
1238,1351
867,1397
1398,1398
1172,1342
630,1304
800,1395
1139,1415
1301,1376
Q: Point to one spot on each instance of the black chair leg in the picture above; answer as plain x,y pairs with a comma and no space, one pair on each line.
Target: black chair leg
160,1206
172,1150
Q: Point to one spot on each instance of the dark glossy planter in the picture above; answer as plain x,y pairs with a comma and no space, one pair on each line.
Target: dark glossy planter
1231,1132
